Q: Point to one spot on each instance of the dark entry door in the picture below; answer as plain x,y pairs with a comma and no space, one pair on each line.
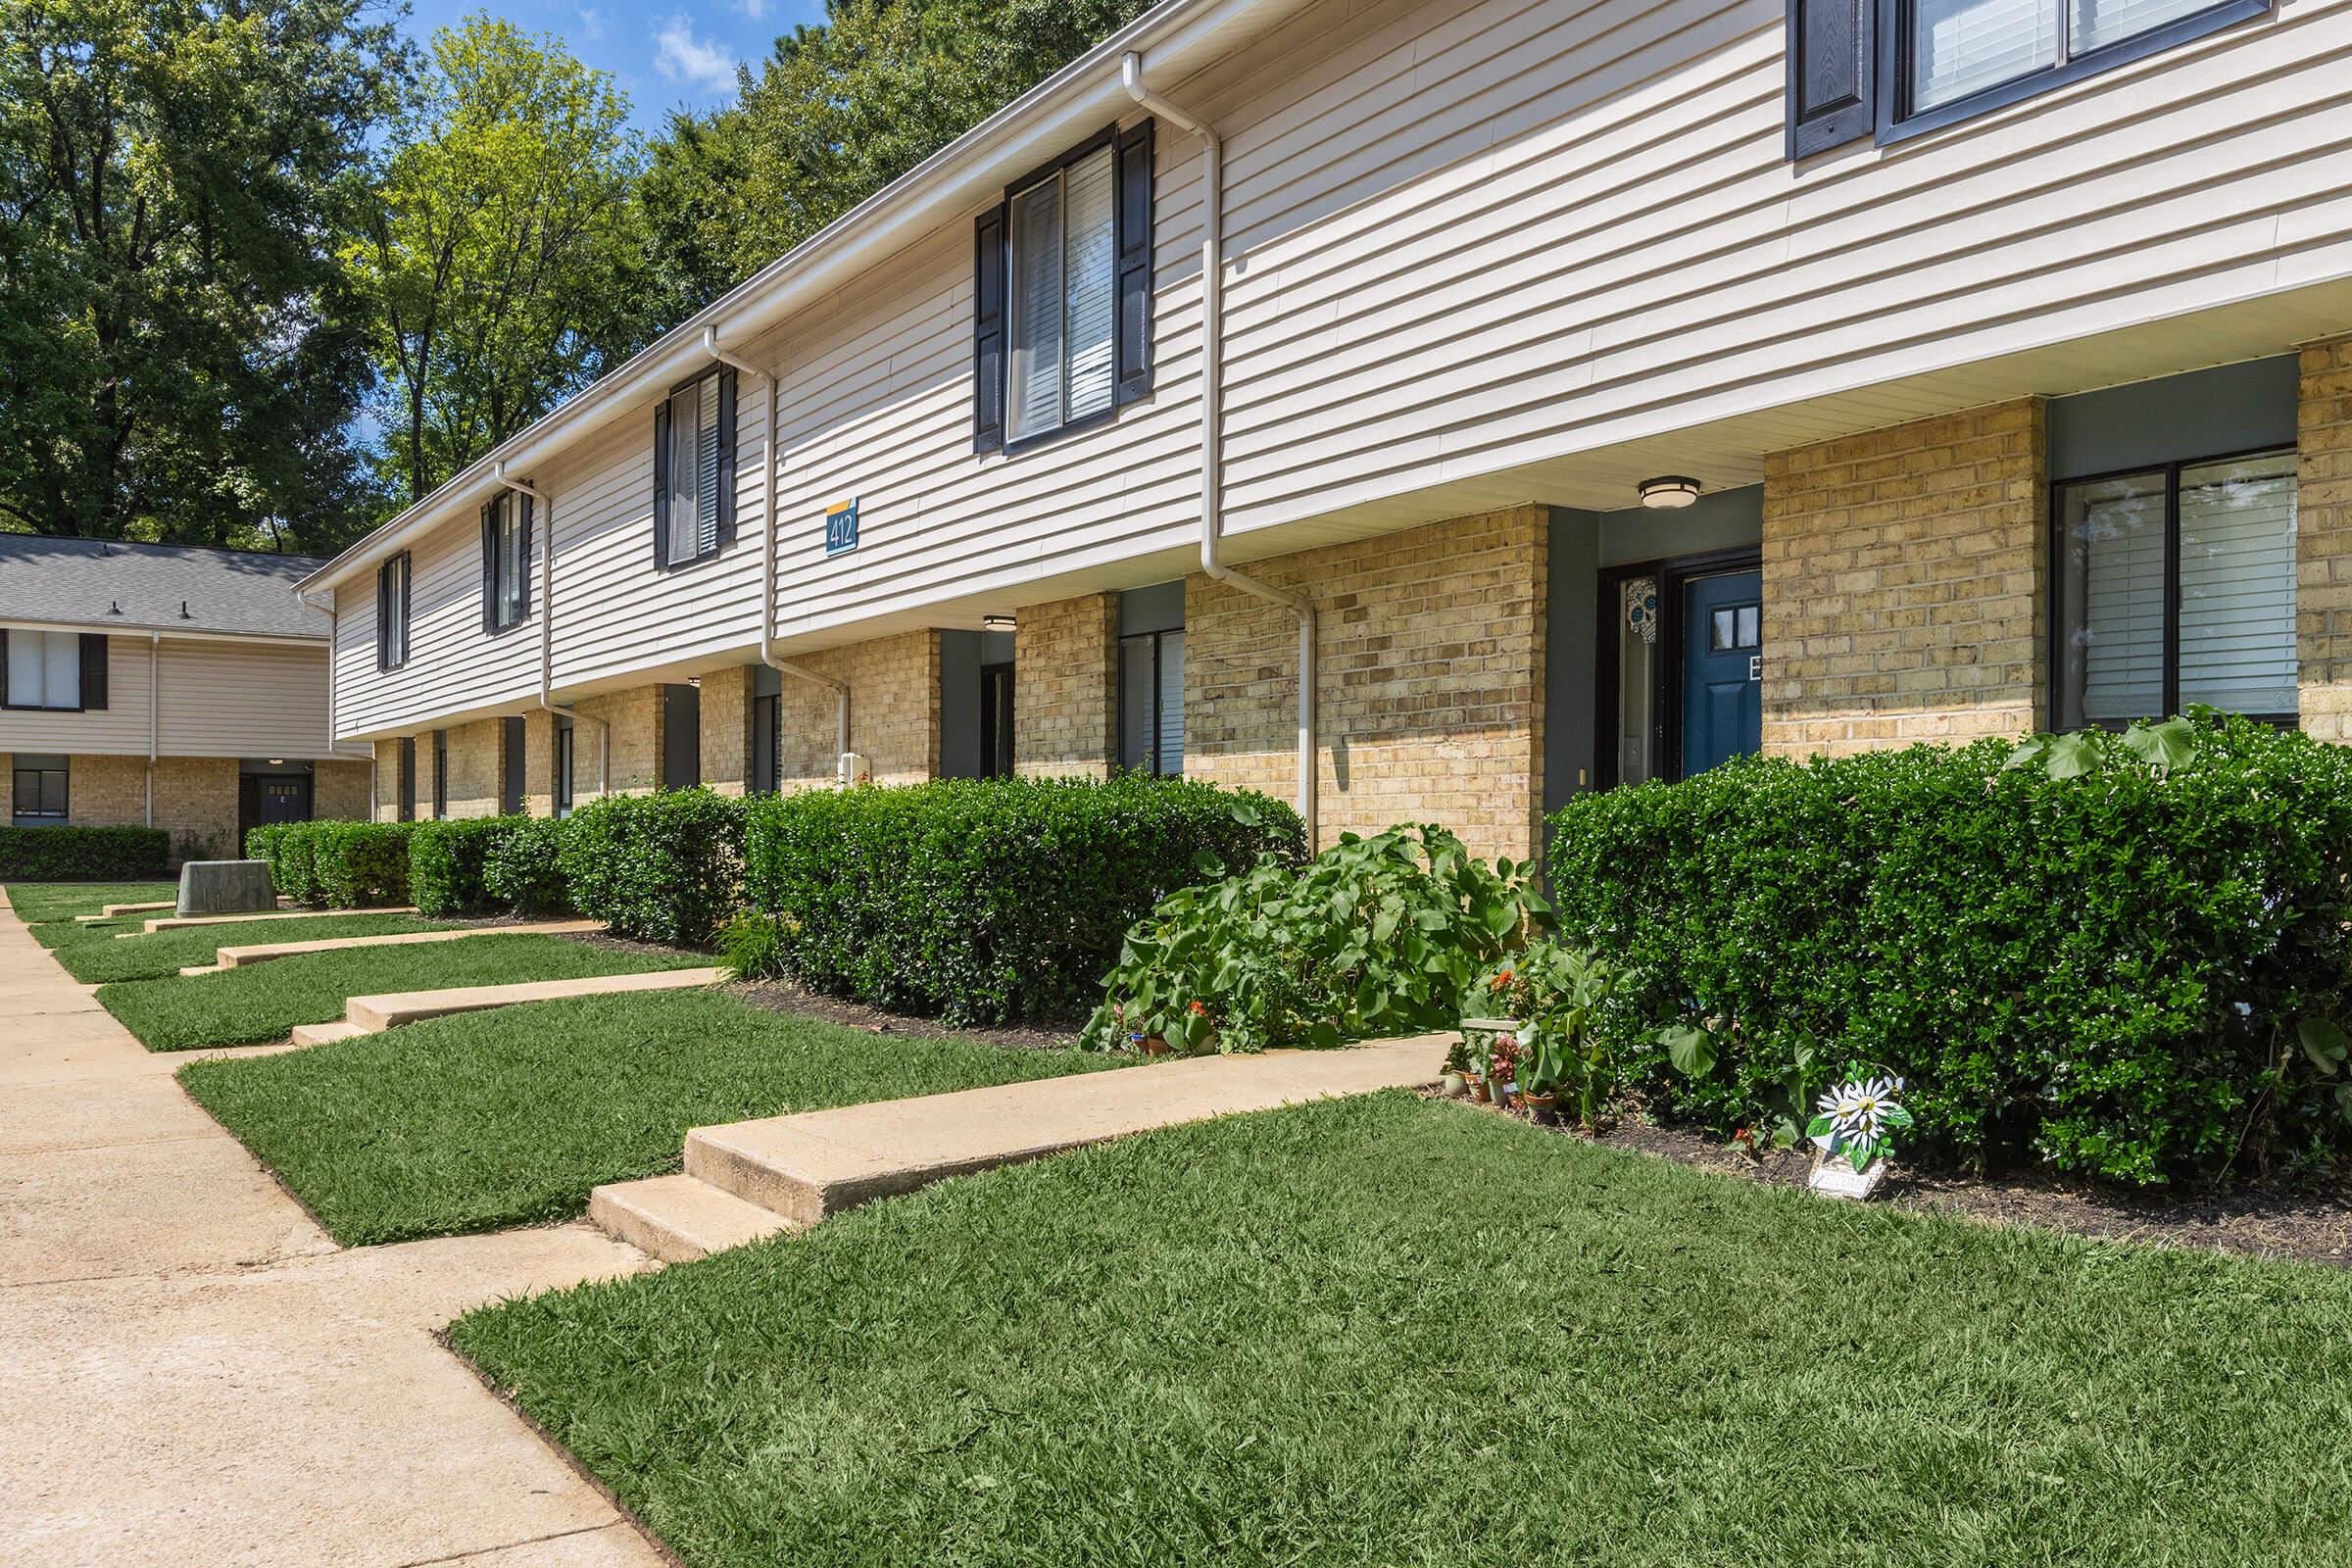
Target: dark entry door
1723,669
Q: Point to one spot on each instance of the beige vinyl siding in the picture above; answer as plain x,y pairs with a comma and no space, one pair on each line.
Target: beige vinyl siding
119,729
221,699
1479,252
452,666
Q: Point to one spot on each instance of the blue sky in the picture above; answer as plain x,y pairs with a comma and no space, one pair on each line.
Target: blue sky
662,55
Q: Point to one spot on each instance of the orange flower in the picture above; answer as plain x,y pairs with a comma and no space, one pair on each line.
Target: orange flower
1198,1009
1500,981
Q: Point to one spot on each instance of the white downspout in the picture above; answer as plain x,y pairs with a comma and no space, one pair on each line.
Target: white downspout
1213,425
547,636
767,542
155,654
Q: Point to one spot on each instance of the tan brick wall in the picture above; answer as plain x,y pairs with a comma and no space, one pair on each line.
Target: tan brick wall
1904,590
112,792
2324,540
477,763
1066,673
195,800
635,737
1429,681
727,729
539,763
894,711
339,791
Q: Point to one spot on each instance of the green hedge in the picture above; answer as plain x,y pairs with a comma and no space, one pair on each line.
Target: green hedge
78,854
447,860
2123,956
522,871
984,901
335,864
663,867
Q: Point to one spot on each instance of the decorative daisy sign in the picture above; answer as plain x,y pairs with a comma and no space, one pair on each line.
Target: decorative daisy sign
1853,1133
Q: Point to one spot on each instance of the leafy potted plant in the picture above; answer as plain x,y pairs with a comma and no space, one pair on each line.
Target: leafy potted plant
1457,1080
1503,1068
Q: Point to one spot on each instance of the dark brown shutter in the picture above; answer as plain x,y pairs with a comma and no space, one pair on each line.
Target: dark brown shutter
383,621
988,331
93,670
1832,60
3,668
662,484
1132,221
725,477
523,523
489,565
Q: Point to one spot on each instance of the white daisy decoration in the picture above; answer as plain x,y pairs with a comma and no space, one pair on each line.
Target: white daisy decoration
1856,1119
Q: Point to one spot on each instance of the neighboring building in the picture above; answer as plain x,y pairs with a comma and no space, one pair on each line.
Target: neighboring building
163,686
2006,347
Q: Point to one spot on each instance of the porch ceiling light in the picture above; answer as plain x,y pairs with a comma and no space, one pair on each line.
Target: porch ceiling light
1668,492
996,623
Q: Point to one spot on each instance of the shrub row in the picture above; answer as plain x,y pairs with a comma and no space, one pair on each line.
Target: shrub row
664,867
74,853
2125,956
984,901
335,864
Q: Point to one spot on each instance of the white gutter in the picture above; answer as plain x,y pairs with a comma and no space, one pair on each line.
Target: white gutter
1212,424
546,639
910,208
155,685
773,460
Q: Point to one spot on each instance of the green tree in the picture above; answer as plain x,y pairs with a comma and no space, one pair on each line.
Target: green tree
503,249
840,110
178,359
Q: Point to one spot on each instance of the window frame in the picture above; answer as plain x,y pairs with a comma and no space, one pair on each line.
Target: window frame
440,775
38,818
2055,564
1896,27
507,503
564,753
1158,638
1106,139
81,703
730,390
389,630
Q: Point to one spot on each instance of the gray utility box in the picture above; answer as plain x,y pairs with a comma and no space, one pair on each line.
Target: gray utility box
225,887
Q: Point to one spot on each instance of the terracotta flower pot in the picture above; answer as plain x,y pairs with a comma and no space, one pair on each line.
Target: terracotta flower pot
1454,1085
1545,1108
1155,1046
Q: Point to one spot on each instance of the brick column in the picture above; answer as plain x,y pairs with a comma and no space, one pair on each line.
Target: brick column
1905,584
2324,540
635,736
387,780
539,763
726,735
1065,671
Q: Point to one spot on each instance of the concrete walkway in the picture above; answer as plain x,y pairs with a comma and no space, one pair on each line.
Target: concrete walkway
195,1376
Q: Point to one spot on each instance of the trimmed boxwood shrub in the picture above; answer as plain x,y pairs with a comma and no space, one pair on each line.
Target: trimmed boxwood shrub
335,864
982,900
522,871
663,868
82,853
2125,956
447,860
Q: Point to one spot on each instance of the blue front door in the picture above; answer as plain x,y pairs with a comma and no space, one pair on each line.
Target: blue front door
1723,669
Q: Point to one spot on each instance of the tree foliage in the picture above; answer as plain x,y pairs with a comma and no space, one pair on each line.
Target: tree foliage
178,356
501,248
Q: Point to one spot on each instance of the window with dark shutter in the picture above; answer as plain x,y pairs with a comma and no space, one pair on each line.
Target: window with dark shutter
1832,57
1061,288
392,612
694,470
506,561
93,670
44,670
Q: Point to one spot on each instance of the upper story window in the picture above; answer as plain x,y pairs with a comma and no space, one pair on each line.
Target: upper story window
54,670
2177,585
1063,294
506,561
392,612
1896,67
694,470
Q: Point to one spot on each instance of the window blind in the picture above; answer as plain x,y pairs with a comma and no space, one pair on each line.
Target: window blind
44,670
2115,640
1091,286
1037,304
1171,704
2237,585
1961,47
2097,23
685,475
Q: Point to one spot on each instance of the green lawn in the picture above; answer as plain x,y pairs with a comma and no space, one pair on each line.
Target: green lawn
35,902
1386,1332
504,1119
139,956
248,1007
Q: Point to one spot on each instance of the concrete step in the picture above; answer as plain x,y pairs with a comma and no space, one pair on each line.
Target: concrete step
816,1164
183,922
392,1008
114,911
320,1034
238,958
678,1220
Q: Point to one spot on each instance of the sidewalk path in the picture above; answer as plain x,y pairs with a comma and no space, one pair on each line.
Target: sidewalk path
193,1374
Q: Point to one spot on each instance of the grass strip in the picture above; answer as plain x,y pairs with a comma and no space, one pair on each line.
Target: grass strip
250,1007
1383,1331
509,1118
37,902
143,957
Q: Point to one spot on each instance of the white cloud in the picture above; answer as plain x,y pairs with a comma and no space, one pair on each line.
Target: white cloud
682,57
592,24
757,10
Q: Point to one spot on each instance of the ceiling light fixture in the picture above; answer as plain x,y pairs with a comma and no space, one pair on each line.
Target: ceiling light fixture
997,623
1668,492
